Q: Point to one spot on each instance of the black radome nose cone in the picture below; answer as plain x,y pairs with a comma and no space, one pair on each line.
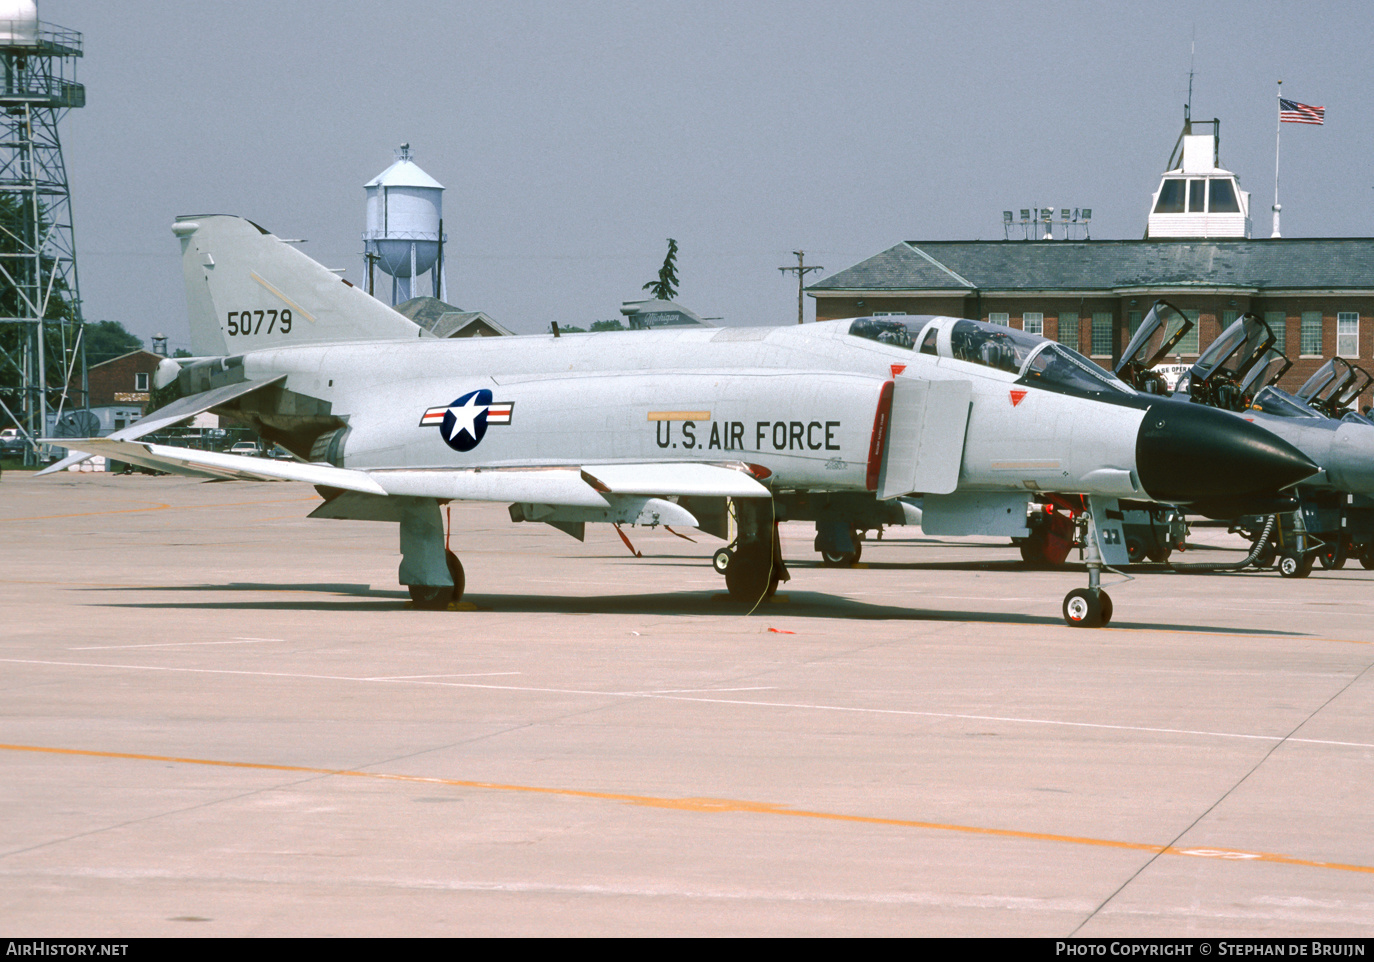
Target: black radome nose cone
1187,453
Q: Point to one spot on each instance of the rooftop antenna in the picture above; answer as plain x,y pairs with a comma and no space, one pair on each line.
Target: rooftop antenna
1192,59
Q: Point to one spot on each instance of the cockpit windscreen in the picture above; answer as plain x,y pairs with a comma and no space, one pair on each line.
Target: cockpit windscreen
1058,368
1271,400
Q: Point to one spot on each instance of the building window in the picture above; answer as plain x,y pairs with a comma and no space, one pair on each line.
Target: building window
889,313
1003,319
1102,334
1311,341
1189,344
140,382
1347,334
1068,330
1033,323
1278,323
1133,321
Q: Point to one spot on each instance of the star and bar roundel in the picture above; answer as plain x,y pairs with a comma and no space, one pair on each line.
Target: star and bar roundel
464,423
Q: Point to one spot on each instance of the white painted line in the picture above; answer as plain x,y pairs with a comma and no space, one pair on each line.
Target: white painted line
791,706
177,644
471,674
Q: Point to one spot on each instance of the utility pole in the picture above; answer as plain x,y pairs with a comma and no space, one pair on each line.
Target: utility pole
801,270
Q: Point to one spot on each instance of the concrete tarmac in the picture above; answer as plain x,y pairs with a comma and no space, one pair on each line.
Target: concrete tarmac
220,718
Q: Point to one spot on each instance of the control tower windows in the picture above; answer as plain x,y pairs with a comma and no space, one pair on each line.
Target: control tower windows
1197,196
1170,197
1224,198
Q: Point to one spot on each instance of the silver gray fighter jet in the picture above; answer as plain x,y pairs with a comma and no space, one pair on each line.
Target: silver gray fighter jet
1238,373
667,427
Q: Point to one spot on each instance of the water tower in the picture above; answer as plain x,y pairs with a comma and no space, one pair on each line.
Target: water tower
40,304
405,228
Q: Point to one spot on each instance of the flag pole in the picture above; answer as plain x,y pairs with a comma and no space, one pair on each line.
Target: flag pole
1278,125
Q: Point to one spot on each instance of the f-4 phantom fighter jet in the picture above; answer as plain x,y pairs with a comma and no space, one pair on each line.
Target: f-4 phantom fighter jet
662,427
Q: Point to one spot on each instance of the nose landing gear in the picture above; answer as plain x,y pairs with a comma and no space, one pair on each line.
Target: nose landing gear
1091,607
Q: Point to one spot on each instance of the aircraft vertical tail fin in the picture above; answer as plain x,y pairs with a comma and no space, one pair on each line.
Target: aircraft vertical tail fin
247,290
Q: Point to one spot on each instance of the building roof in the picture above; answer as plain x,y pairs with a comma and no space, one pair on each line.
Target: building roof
966,266
467,324
445,320
141,353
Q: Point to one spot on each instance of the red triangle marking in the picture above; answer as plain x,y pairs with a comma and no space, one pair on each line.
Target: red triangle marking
898,369
1017,397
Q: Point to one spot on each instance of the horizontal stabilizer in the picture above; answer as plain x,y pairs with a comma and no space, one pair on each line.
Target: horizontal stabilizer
208,464
178,410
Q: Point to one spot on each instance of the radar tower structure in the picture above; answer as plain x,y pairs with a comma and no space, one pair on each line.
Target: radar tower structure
40,302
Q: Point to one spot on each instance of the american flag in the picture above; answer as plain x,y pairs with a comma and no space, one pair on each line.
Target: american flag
1292,112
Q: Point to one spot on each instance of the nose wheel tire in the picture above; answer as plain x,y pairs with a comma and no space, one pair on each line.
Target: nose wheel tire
1085,608
1295,566
721,560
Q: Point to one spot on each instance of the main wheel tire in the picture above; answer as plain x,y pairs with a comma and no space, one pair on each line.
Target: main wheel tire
1332,556
721,560
1267,556
1106,601
1135,550
455,571
430,597
1033,550
839,559
750,574
1082,609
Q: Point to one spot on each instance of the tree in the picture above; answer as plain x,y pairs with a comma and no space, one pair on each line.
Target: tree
608,325
107,340
665,288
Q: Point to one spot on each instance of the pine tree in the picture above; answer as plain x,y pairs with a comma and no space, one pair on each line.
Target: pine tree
665,288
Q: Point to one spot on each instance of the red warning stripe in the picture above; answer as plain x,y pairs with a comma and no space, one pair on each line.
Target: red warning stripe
878,442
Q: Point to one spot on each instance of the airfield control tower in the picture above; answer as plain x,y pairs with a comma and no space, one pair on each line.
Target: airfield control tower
405,228
40,303
1196,196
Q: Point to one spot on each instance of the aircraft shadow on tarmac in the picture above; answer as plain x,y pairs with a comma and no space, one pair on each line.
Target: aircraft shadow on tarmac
789,604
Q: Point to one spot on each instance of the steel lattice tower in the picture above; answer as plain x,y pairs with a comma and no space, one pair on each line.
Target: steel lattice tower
40,302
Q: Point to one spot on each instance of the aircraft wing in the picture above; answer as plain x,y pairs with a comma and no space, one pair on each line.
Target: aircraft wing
229,467
178,410
590,486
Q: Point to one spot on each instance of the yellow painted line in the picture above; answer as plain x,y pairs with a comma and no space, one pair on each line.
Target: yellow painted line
679,415
718,805
289,303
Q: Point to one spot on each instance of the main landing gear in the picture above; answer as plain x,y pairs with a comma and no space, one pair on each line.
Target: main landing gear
754,567
432,574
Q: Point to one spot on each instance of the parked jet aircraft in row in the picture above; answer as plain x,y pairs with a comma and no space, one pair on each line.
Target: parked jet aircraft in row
662,427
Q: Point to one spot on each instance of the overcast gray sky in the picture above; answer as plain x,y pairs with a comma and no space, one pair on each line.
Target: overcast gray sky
575,137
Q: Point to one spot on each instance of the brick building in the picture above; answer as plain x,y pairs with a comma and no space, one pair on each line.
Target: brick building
120,388
1316,293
